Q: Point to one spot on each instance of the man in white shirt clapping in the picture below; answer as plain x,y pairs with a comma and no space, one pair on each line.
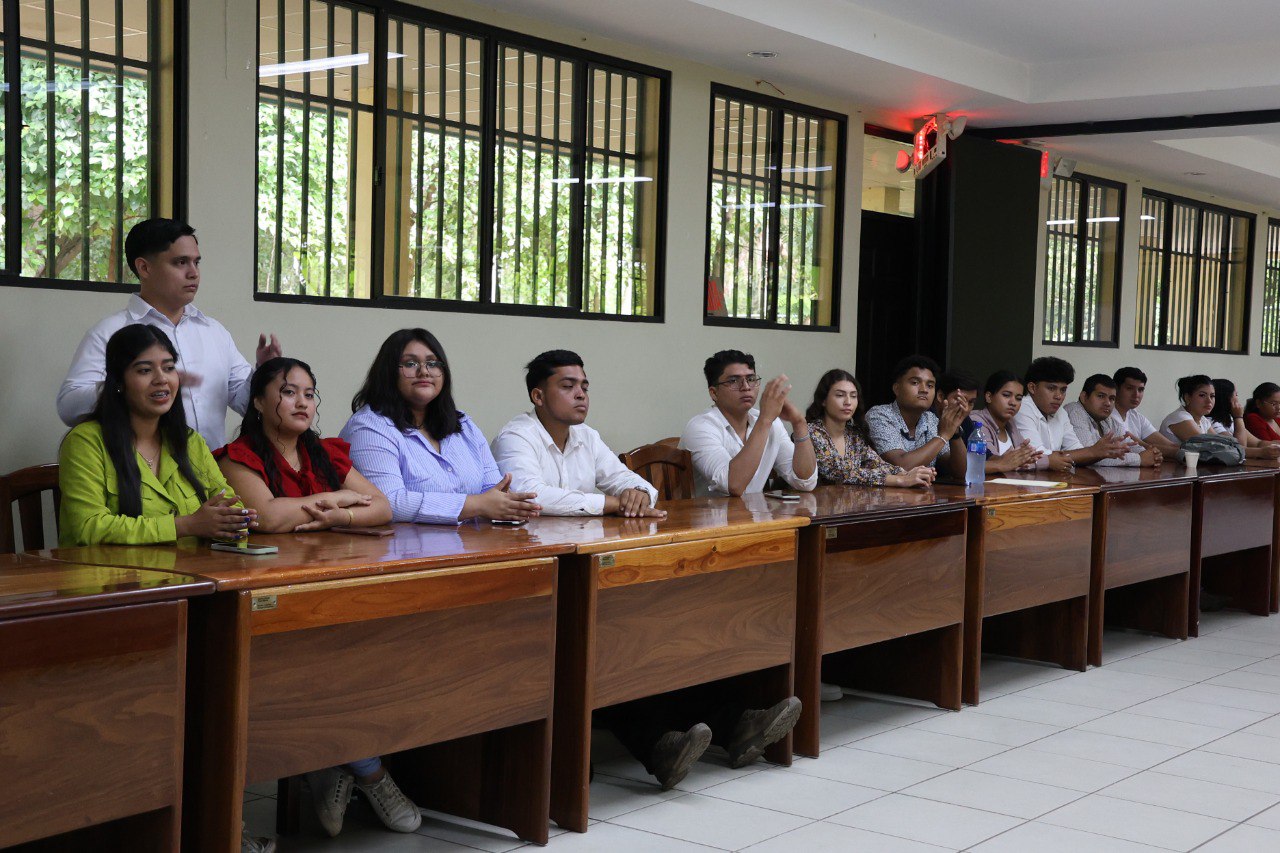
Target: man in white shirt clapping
551,450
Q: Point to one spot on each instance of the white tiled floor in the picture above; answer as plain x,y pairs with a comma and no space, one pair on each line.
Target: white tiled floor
1169,746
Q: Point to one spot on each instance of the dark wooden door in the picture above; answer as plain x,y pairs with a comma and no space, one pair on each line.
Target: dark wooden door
887,300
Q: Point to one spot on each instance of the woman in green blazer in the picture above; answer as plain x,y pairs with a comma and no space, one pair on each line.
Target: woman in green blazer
133,472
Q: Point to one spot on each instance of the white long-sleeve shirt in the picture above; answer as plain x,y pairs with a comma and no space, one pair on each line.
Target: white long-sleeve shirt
713,443
205,349
1046,434
569,482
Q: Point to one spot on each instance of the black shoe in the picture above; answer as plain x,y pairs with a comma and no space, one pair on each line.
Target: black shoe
676,752
757,730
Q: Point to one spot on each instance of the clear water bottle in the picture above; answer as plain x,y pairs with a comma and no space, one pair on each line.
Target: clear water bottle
976,467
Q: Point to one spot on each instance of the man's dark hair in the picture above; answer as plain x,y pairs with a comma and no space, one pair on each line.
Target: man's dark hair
715,365
1050,368
911,362
1129,373
956,380
544,366
1098,379
153,236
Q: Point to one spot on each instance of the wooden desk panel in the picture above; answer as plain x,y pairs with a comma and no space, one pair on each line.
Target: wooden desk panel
1238,512
91,721
1234,527
1036,552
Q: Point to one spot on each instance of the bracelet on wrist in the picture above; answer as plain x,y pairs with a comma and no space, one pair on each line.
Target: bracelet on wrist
351,517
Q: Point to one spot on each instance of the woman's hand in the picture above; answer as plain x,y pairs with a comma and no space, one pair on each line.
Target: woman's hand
325,513
502,504
1018,457
920,477
346,497
217,519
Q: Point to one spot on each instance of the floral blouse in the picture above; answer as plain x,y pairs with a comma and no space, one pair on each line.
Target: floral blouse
859,465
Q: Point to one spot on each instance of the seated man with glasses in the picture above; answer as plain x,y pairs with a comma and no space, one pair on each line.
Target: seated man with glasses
554,454
735,446
907,433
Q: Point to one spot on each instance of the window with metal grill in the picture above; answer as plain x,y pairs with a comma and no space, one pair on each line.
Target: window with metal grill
91,132
774,213
1271,291
1193,275
447,165
1082,261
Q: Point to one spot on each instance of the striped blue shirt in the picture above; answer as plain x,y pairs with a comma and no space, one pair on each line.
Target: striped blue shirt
421,484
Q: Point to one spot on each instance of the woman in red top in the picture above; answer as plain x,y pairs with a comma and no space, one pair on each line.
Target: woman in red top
298,481
281,467
1262,414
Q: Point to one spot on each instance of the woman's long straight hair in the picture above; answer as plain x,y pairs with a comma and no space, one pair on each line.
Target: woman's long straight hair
381,393
112,414
818,408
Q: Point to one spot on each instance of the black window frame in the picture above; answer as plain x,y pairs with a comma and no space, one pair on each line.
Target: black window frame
1269,270
1166,262
492,38
1082,206
12,232
780,106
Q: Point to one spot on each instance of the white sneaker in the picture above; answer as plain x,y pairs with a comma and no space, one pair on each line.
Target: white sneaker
394,809
831,692
249,844
330,792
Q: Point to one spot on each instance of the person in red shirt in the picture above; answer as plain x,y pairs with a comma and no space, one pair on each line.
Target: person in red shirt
298,481
1262,412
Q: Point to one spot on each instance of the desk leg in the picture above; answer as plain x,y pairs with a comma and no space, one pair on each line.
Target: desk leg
1244,576
217,723
574,694
1194,573
1097,580
974,591
808,648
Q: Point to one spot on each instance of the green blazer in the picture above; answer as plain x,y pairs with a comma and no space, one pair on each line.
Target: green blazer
90,512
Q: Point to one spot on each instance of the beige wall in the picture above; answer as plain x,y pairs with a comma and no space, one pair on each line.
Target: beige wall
1162,368
646,378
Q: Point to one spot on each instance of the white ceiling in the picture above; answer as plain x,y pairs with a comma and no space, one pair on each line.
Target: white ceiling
1002,62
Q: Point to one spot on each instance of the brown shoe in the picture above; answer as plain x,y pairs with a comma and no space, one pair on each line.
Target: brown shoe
756,730
675,753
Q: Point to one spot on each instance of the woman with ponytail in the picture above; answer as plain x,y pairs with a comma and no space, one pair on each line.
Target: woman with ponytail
281,467
133,472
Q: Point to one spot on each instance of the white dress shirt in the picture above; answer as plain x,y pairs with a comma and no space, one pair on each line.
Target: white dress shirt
1046,434
569,482
713,444
205,349
1135,423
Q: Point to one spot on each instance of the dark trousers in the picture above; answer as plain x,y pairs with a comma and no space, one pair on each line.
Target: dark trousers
640,723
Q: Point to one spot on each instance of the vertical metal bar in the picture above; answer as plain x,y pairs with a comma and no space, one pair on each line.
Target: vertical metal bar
724,209
441,141
588,269
280,119
1078,286
12,142
501,162
51,164
537,181
1166,264
623,80
751,211
555,178
399,160
328,161
579,106
637,199
775,215
305,217
378,226
790,122
419,173
520,143
353,160
84,139
489,76
737,213
605,190
118,231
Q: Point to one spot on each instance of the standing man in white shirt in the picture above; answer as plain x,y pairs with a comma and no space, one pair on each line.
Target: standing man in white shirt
164,255
551,450
1045,424
734,446
1131,384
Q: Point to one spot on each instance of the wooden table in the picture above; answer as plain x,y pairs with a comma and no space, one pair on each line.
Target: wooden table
1273,465
92,670
1234,532
706,595
342,647
1027,574
881,596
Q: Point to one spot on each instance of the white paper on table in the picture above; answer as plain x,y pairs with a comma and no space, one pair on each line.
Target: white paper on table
1035,484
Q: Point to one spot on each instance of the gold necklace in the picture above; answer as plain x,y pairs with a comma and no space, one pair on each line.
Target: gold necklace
151,463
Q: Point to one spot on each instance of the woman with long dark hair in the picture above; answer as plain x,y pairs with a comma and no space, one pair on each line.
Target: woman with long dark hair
1229,412
407,436
133,472
1262,412
840,441
1007,450
1203,412
280,466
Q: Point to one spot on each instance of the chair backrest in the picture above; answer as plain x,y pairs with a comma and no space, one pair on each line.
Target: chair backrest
667,467
25,487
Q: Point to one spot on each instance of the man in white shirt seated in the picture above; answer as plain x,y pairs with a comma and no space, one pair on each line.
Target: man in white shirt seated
164,255
1131,384
551,450
735,446
1046,425
1091,419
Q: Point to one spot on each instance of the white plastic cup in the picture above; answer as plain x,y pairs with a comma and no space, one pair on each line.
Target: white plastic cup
1190,458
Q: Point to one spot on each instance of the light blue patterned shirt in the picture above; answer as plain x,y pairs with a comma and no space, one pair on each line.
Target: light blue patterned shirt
421,484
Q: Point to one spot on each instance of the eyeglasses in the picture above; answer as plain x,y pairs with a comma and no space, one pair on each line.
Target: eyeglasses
740,382
410,367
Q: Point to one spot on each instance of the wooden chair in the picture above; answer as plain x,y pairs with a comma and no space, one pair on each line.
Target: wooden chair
666,466
25,488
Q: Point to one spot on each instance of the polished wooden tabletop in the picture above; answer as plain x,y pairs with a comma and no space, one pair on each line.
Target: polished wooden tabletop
998,493
835,504
34,586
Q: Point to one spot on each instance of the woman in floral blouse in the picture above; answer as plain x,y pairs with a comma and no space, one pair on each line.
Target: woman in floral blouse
839,432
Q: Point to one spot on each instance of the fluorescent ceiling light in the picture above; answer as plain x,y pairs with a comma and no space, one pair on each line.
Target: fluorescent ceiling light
802,204
755,206
324,63
1060,222
1147,217
798,169
1103,219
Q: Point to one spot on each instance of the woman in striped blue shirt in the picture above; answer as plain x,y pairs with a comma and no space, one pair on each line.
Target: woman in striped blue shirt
409,439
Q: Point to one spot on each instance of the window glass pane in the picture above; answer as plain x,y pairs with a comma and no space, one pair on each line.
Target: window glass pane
1271,292
87,151
1082,260
315,145
884,188
806,220
1150,270
1061,230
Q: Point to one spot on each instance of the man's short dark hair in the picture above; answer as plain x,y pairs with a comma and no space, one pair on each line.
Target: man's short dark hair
911,362
153,236
1050,368
544,366
956,380
715,365
1097,379
1129,373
